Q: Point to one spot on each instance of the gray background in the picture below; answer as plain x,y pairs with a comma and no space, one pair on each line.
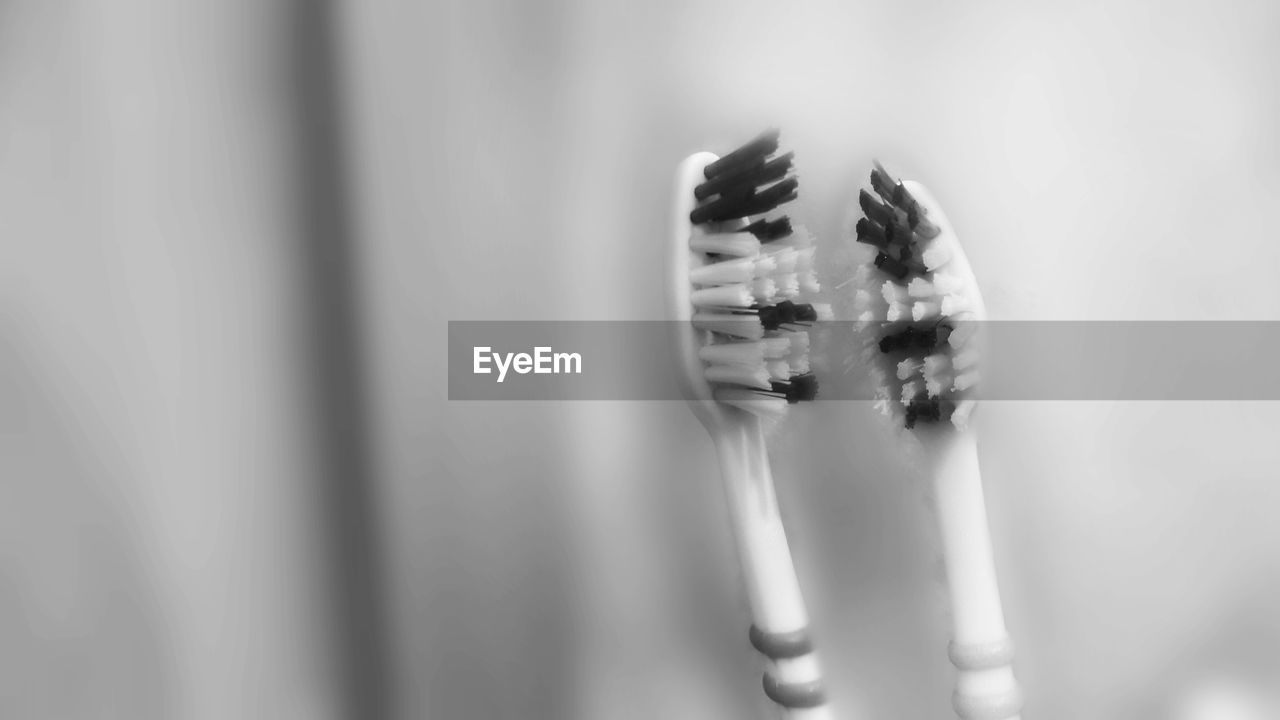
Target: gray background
193,390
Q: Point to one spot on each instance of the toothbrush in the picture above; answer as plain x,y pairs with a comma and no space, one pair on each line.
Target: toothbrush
919,308
734,277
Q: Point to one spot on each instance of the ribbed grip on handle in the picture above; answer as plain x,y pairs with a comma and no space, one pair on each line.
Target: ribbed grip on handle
777,646
981,656
780,629
986,688
795,695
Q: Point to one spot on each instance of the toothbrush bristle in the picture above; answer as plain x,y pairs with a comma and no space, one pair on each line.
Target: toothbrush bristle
766,230
764,144
749,302
920,351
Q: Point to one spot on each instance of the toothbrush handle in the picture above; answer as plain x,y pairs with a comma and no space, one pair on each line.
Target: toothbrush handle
780,623
980,649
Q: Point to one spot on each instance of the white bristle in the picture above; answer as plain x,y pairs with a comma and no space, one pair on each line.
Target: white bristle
960,417
897,312
778,370
747,376
797,342
954,304
894,293
862,301
936,256
804,259
726,272
777,347
735,244
965,359
961,333
765,266
879,378
722,296
910,390
752,402
786,259
734,353
764,289
937,379
867,317
936,364
742,326
907,368
946,283
920,288
799,365
883,406
933,387
788,286
966,380
809,281
924,310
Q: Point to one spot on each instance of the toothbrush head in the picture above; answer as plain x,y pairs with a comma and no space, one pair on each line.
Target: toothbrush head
736,274
917,304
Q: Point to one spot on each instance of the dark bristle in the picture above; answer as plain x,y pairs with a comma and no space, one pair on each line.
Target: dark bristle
922,407
920,223
729,205
804,388
875,210
894,267
771,197
770,316
763,145
926,339
797,388
946,408
753,174
770,230
725,207
743,202
747,182
896,232
908,256
727,181
906,200
786,312
871,233
883,183
891,343
910,338
806,385
806,313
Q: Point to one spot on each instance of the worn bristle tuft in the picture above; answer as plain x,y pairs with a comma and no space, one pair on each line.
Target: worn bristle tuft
871,233
913,308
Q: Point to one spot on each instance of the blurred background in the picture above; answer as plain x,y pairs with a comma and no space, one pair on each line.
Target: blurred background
231,235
